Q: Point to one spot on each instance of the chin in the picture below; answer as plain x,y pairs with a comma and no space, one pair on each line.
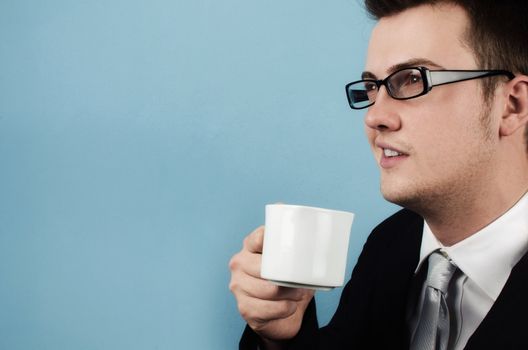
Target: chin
396,198
422,200
395,190
407,196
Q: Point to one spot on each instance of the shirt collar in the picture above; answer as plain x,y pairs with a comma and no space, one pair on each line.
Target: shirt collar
487,257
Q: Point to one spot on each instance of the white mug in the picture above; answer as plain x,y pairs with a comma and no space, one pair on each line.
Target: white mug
305,247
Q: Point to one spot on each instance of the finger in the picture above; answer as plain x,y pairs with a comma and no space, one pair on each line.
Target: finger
251,263
266,290
255,310
247,262
245,276
253,242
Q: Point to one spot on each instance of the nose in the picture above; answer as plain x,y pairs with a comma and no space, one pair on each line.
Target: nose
383,115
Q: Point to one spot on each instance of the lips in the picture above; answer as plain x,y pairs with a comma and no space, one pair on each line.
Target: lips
390,150
390,155
387,152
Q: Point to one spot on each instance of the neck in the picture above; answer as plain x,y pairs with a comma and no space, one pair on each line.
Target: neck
455,222
458,214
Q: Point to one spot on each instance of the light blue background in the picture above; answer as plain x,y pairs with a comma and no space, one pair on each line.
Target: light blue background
139,143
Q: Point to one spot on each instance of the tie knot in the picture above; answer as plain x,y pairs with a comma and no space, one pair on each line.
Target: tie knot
439,272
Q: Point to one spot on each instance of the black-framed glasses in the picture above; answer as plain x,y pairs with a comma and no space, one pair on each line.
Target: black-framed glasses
411,82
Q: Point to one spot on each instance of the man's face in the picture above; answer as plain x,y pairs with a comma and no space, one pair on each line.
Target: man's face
445,139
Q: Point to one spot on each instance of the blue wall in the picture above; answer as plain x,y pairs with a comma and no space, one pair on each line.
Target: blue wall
139,143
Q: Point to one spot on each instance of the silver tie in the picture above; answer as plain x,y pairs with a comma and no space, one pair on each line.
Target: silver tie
432,332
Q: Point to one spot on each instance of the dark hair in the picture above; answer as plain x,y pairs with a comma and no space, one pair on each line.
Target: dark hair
498,32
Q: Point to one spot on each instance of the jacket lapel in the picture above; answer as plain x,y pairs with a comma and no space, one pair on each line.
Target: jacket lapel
505,325
395,279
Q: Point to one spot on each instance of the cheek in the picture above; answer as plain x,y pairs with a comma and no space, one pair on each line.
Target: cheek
449,140
450,102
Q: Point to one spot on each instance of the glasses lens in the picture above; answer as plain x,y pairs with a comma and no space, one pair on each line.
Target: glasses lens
362,94
405,83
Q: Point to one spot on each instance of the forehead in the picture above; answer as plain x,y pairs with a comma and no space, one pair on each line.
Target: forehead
429,32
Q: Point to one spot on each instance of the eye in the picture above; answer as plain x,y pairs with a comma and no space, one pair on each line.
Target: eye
405,77
370,86
413,78
405,83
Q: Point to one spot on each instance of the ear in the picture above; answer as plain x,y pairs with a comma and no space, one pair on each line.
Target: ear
515,114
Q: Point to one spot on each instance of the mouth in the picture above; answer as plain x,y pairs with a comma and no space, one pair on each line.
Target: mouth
390,156
389,153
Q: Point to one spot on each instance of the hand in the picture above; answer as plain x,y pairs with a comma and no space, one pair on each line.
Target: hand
273,312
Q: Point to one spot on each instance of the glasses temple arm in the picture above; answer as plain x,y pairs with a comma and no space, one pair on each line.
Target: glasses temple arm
442,77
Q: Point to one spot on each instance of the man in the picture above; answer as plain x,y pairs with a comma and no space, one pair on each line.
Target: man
452,150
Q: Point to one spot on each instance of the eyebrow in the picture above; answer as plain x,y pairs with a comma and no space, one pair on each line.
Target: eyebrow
414,62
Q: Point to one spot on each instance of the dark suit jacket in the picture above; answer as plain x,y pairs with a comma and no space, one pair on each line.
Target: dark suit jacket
372,311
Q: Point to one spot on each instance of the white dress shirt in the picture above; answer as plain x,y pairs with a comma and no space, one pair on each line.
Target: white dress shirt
485,260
